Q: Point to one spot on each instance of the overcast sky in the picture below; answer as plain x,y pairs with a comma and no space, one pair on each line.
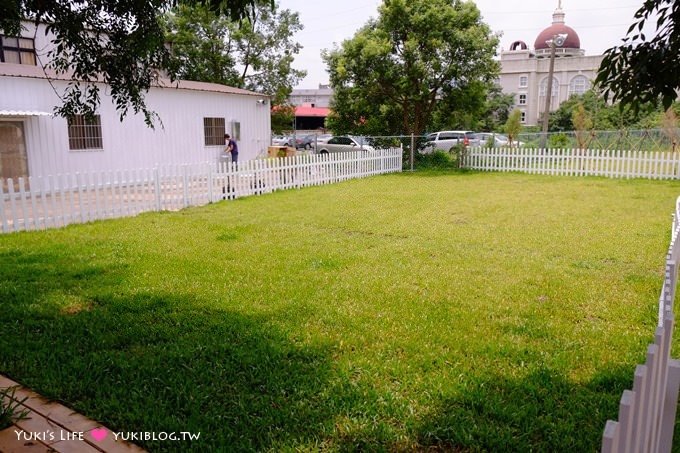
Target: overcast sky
600,24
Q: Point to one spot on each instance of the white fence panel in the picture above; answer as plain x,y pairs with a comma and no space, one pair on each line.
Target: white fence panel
575,162
647,413
59,200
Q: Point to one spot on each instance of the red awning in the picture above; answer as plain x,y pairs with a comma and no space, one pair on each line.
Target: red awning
312,111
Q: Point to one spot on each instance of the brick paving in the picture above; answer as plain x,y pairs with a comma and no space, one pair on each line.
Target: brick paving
53,428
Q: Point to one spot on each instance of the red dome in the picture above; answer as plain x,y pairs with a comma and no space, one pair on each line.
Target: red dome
572,41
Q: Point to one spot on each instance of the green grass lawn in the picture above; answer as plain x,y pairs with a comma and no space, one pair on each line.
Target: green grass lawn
467,312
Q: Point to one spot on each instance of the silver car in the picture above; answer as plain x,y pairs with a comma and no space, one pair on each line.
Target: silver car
498,140
323,138
345,143
282,140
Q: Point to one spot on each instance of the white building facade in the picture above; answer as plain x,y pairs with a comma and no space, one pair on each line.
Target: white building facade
193,116
320,97
524,72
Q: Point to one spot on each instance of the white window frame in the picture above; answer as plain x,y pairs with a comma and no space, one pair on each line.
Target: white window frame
579,84
543,87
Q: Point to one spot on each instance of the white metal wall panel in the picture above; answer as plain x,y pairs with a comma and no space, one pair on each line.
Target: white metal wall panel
177,139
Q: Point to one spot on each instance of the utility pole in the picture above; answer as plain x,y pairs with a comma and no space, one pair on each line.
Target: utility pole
554,43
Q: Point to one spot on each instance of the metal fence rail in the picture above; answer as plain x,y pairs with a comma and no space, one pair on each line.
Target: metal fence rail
55,201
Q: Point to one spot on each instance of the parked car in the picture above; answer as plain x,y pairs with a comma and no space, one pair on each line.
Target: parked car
449,140
306,142
323,138
345,143
498,140
281,140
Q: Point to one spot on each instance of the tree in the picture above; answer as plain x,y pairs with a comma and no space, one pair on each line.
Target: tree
265,51
641,71
513,127
463,108
283,117
604,115
669,125
395,71
120,42
198,46
583,125
561,120
255,53
497,109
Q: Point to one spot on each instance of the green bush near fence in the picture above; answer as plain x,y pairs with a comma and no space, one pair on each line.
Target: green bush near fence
408,312
439,159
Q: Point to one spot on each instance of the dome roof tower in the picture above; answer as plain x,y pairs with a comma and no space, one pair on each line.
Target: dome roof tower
572,43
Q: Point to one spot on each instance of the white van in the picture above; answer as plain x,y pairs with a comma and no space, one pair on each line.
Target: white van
449,140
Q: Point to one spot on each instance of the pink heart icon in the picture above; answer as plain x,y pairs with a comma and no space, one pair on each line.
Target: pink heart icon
99,434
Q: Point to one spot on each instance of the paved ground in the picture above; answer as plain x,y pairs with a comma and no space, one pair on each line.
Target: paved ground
55,428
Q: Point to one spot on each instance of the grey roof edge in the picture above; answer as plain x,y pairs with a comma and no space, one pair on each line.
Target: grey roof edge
38,72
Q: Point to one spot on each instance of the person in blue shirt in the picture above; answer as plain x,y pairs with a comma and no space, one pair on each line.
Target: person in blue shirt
231,147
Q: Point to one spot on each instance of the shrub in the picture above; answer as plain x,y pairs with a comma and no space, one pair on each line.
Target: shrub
559,141
439,159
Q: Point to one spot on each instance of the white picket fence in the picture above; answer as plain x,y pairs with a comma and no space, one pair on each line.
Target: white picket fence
576,162
647,413
55,201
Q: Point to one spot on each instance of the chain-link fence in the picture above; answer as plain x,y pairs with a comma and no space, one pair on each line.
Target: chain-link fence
644,140
621,140
661,139
416,154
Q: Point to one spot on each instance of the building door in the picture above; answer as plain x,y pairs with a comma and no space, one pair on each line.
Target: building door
13,161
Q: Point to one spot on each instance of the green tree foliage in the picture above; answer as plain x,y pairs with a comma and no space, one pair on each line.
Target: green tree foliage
282,118
497,110
513,126
418,56
583,125
561,119
255,53
604,116
462,109
118,41
199,49
642,71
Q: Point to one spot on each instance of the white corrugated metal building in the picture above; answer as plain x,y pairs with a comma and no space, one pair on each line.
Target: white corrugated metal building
194,118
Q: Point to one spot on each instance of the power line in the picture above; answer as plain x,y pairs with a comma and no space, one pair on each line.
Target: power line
568,11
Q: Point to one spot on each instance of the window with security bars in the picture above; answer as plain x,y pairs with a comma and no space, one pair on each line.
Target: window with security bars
84,133
213,130
17,50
